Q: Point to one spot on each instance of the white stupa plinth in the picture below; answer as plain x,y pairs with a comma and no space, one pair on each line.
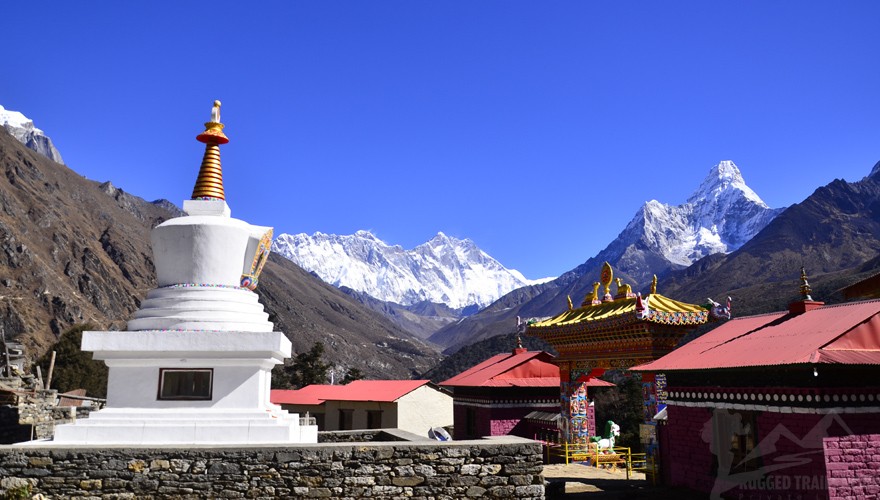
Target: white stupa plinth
195,363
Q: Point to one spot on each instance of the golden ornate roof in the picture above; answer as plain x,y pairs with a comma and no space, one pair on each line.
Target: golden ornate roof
659,309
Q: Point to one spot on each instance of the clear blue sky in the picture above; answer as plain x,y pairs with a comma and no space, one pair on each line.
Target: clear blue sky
536,129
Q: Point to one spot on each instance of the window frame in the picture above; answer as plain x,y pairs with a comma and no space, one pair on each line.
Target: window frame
164,371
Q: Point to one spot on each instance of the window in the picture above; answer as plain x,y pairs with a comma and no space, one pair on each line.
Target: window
185,384
734,437
374,419
345,420
743,442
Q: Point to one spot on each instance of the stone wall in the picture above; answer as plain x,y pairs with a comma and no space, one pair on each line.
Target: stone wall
852,464
506,467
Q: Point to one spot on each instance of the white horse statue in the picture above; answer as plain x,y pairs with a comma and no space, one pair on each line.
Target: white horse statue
612,431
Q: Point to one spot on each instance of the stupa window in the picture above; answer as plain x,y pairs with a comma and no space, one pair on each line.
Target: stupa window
185,384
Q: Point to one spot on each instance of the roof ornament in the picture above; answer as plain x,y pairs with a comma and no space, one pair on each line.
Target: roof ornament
519,342
209,184
592,298
570,305
717,311
642,308
606,278
624,290
805,285
654,285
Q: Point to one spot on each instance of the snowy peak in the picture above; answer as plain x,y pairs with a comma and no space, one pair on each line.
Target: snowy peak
443,270
24,131
724,179
9,118
719,217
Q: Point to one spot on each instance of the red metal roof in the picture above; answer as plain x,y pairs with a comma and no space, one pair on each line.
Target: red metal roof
844,333
386,391
520,368
70,401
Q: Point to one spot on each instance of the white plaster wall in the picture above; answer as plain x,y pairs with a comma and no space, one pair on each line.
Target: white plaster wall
233,386
200,249
423,409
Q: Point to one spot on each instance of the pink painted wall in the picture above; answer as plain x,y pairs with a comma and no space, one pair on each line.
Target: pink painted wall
853,466
494,422
690,459
793,455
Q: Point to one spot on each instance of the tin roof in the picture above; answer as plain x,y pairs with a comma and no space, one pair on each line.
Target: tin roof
843,333
385,391
519,368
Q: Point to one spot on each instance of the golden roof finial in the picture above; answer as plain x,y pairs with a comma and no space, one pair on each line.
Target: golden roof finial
805,285
605,278
570,305
209,184
654,285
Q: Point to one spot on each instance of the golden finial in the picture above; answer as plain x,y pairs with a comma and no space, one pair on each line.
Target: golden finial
209,184
606,278
805,286
654,285
570,305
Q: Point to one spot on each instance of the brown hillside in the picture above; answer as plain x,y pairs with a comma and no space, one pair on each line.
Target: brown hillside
74,251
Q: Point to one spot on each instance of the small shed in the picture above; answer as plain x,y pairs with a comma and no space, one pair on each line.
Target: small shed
494,397
410,405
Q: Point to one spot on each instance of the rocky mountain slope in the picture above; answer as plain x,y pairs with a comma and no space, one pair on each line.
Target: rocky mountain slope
444,270
22,128
832,233
721,215
74,251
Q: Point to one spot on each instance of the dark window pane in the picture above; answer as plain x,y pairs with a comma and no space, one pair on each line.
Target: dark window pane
185,384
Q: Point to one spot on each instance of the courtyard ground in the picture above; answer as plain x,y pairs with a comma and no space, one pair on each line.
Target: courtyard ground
581,481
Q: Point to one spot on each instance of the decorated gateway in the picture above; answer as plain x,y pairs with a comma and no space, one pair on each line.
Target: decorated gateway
615,332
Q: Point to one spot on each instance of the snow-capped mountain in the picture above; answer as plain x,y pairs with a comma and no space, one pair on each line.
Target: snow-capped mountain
719,217
22,128
444,270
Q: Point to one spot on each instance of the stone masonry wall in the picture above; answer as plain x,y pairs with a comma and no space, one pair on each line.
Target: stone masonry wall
852,465
507,467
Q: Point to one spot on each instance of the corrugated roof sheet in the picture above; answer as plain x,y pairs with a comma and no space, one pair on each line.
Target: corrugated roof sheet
385,391
70,401
844,333
510,370
544,416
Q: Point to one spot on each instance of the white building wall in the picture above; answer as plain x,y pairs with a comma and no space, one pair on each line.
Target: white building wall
423,409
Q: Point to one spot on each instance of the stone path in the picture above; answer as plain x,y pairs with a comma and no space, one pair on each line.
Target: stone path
580,481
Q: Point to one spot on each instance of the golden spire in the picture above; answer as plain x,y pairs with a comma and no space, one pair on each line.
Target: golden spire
805,285
654,285
209,184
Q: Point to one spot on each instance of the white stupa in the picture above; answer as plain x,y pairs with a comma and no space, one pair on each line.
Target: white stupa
195,363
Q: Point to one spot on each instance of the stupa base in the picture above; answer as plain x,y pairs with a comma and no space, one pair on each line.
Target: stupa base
137,426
